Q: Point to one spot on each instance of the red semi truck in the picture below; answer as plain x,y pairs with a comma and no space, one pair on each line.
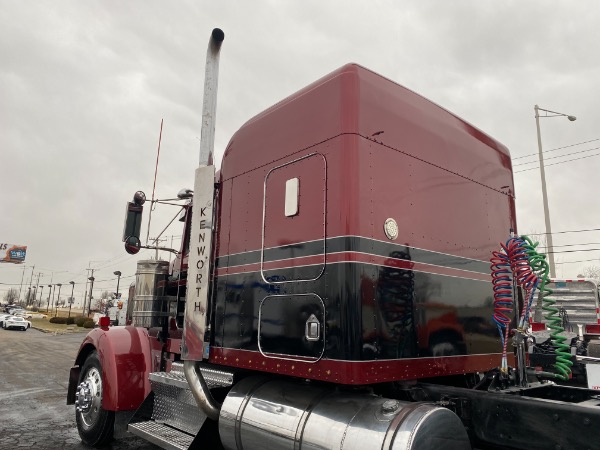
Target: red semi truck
332,291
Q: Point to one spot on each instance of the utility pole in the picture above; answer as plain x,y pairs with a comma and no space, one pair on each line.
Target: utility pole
37,286
21,286
91,289
157,242
30,280
86,287
72,283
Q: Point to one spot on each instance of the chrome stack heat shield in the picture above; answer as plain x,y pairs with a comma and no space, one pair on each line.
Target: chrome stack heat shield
149,307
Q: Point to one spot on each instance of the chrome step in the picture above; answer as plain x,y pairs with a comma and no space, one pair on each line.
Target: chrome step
176,377
161,435
174,404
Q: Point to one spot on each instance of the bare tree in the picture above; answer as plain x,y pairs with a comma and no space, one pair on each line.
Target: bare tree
104,301
11,296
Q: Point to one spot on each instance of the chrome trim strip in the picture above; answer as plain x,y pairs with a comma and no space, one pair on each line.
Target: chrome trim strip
378,265
370,361
355,244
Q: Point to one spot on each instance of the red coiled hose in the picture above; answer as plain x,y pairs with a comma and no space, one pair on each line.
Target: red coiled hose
511,261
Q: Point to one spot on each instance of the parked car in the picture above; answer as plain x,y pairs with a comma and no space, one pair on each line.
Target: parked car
16,322
23,314
2,317
36,316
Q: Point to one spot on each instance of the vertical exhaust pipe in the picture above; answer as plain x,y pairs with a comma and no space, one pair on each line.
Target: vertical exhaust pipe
209,105
191,368
200,391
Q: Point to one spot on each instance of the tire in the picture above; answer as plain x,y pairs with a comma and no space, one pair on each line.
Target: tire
94,424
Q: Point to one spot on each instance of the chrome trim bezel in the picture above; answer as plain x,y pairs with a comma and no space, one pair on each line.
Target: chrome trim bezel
262,248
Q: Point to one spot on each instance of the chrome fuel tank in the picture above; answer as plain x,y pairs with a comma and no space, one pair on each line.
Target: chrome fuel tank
261,413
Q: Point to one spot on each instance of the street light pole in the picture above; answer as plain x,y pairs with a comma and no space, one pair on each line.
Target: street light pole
118,274
41,293
72,283
549,243
53,292
58,299
49,292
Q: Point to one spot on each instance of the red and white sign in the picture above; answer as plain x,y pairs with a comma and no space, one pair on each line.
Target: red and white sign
12,253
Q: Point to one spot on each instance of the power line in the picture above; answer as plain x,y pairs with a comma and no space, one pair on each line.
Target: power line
556,163
579,261
568,231
575,245
575,251
557,148
559,156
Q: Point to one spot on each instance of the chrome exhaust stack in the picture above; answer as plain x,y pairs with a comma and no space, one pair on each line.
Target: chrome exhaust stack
196,321
209,105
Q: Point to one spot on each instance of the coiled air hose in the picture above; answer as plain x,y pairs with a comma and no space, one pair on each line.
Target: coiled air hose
518,259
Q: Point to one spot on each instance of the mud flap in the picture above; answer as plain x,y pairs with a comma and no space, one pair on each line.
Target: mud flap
73,379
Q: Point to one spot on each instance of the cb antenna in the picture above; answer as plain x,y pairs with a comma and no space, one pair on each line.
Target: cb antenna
154,187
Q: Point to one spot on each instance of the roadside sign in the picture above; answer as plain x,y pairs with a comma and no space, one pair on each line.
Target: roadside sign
12,253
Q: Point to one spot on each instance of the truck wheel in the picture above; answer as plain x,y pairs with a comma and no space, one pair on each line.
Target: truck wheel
95,424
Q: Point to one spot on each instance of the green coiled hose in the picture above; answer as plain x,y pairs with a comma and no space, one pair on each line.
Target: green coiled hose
540,267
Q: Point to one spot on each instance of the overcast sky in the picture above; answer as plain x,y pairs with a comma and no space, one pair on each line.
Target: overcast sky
84,86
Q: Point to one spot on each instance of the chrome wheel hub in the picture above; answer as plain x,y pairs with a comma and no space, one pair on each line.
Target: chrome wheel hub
89,397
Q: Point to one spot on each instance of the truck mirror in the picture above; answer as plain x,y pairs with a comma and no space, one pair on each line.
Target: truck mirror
132,245
133,221
139,198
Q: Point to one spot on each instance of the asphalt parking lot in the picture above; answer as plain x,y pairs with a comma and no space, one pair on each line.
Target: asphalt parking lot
34,375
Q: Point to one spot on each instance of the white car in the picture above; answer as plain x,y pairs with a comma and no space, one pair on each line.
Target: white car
23,314
2,317
16,322
36,316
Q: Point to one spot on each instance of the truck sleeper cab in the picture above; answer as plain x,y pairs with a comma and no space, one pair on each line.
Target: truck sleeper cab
366,156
